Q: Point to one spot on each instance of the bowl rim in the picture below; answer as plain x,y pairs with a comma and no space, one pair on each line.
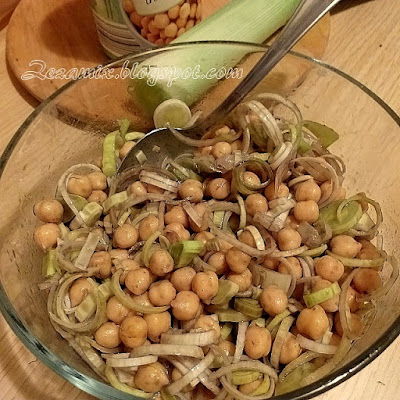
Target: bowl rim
104,391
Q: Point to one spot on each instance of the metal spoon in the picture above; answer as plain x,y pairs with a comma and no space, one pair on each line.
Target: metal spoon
307,14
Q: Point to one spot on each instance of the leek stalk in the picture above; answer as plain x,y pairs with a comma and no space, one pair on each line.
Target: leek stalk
184,251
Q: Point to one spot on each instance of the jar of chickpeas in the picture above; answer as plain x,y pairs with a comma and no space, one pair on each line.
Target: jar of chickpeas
125,26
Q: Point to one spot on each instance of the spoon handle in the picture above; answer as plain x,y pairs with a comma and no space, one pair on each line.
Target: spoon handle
306,15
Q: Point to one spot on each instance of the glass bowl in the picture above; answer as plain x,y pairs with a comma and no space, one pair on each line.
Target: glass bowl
68,127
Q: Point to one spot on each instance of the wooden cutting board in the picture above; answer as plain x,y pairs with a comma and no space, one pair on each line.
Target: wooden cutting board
62,33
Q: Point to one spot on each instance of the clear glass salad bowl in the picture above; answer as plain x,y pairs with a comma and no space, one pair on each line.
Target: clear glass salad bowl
68,128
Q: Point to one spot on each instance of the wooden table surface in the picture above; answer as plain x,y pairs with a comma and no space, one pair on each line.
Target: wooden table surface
364,42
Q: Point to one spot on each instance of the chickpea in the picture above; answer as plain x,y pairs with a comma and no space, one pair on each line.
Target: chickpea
127,265
205,285
160,41
185,11
128,6
193,9
207,323
243,280
175,232
271,263
249,388
331,305
133,331
125,236
161,293
296,267
339,194
345,246
218,261
118,254
173,13
155,189
288,239
271,194
161,21
308,190
157,324
137,189
199,11
182,278
236,145
257,342
251,180
143,299
227,347
329,268
367,280
176,375
116,311
49,211
148,227
351,299
247,238
126,148
46,236
185,305
201,211
80,185
335,340
181,22
79,290
98,180
224,245
237,260
151,377
204,151
291,222
192,190
101,260
256,203
97,196
219,188
307,211
138,281
355,324
290,350
136,19
177,214
313,322
161,263
369,253
108,335
171,30
273,300
221,149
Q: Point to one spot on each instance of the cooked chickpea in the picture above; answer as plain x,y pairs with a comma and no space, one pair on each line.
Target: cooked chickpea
307,211
46,236
161,293
181,22
308,190
101,260
161,263
345,246
175,232
171,30
355,324
125,236
243,280
98,180
203,151
313,322
192,190
247,238
185,305
291,222
290,350
205,285
177,214
339,194
271,194
126,148
273,300
236,145
182,278
97,196
79,290
173,13
148,227
352,296
49,211
185,10
251,180
335,340
296,267
288,239
137,189
271,263
201,211
331,305
108,335
127,265
227,347
219,188
151,378
118,254
133,331
257,342
221,149
136,19
329,268
369,253
218,261
157,324
193,9
116,311
161,21
80,185
256,203
138,281
237,260
206,323
249,388
367,280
